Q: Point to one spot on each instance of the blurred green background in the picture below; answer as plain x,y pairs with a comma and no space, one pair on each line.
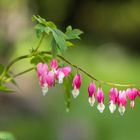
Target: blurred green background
109,49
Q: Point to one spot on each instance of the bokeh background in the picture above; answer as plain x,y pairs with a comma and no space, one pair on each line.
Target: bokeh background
109,49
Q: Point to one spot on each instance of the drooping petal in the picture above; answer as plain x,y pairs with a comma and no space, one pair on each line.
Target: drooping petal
66,70
91,100
112,107
131,93
75,92
101,107
121,109
41,68
91,89
77,81
122,102
44,89
54,64
113,95
100,95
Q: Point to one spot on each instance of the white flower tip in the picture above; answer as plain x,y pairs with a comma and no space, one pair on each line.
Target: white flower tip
121,109
75,92
61,77
44,90
91,101
132,104
112,108
101,107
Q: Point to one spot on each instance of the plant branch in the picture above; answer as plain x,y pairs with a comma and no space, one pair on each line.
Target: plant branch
19,74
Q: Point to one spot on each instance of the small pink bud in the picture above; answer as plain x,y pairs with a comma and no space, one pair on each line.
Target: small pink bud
91,93
100,98
91,89
132,94
122,102
54,64
76,85
113,95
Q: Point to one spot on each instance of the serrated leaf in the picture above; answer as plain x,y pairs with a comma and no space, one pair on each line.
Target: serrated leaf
5,89
73,33
39,19
41,29
54,49
60,39
40,58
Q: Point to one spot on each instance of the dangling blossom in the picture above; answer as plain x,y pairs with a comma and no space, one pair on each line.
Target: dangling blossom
122,101
54,65
46,78
113,95
132,94
100,98
41,69
91,93
76,85
62,72
48,81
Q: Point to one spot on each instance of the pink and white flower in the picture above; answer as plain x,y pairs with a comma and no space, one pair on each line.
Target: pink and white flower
76,85
46,78
100,98
132,94
54,65
41,68
113,95
122,101
91,93
62,72
48,81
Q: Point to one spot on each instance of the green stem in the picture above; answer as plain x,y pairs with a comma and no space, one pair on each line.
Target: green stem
73,65
18,74
21,57
39,44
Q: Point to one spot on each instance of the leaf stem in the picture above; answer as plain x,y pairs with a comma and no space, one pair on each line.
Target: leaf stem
18,74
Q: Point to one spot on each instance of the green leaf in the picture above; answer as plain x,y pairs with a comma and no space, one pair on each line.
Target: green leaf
39,19
54,49
42,21
69,44
5,89
40,58
60,39
73,33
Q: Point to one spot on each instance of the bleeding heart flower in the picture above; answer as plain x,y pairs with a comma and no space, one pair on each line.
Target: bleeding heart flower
100,98
122,102
113,95
54,65
91,93
41,68
132,94
62,72
76,85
